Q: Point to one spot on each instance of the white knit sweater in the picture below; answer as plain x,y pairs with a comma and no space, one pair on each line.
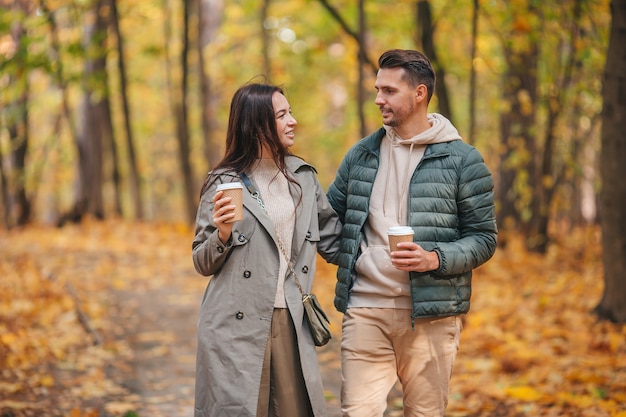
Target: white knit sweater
274,191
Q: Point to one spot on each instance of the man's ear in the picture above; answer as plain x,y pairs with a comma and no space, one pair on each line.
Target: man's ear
421,93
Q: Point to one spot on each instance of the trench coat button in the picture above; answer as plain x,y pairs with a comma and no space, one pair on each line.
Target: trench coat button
305,269
241,238
308,235
220,249
239,315
247,274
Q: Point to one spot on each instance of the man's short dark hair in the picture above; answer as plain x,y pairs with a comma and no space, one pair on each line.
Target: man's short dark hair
417,67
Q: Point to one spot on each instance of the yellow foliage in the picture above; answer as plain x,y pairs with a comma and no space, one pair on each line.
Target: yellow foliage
528,341
524,393
46,380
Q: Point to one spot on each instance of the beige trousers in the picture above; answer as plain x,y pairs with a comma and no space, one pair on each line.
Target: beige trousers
379,347
282,392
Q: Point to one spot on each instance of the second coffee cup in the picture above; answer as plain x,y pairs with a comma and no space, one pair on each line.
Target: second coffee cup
234,190
399,234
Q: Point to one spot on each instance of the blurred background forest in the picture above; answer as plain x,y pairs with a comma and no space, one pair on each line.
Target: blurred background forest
115,110
119,108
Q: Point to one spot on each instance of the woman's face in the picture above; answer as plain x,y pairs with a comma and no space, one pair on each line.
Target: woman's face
285,123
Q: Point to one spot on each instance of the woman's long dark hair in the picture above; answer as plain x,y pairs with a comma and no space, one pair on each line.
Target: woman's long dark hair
251,126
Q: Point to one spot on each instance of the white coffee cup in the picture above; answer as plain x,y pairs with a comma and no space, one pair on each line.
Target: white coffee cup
234,190
399,234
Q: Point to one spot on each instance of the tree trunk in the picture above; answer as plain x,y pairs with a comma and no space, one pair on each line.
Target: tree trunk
110,149
612,306
58,75
94,123
472,104
518,167
210,14
361,95
584,208
426,32
5,199
548,178
362,60
17,125
182,124
18,136
265,42
135,187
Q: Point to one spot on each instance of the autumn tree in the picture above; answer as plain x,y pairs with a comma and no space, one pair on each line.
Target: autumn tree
362,58
425,28
558,90
472,86
18,204
613,171
210,16
179,92
135,189
547,50
265,40
520,47
95,131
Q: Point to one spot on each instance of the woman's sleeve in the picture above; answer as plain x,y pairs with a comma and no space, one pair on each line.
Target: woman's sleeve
208,251
329,225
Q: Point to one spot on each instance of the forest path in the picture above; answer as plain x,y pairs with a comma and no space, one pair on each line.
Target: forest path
160,327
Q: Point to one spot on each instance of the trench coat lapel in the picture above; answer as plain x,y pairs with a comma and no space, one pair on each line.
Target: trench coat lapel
253,206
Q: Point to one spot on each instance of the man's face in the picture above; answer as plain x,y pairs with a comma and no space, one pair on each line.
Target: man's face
395,98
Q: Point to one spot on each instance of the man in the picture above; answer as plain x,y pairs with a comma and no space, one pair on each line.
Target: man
402,310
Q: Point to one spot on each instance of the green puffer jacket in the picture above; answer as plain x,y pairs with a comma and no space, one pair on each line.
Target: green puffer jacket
451,210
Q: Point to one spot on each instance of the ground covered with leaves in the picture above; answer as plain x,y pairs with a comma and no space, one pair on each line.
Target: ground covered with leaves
98,319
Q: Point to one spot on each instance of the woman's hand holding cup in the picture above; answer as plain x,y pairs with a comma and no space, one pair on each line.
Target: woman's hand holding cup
227,208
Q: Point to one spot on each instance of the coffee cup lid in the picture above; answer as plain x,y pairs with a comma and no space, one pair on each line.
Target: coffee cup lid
400,230
229,186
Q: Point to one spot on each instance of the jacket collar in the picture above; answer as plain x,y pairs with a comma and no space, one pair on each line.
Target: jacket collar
372,143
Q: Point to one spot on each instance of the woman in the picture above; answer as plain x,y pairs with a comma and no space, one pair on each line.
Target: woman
255,355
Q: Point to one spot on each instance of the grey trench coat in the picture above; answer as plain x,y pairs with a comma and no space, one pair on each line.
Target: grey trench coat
236,310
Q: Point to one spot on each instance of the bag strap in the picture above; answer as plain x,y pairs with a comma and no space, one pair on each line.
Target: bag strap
257,196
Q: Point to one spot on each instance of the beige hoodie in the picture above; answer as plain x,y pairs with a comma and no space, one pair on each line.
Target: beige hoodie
378,283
